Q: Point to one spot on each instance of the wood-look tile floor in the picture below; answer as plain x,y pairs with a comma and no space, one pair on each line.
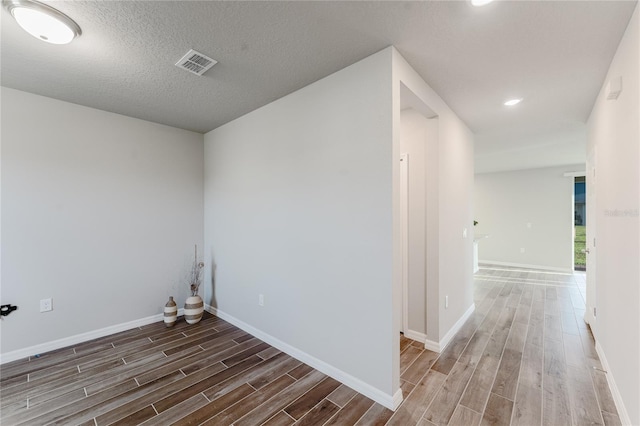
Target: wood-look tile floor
524,357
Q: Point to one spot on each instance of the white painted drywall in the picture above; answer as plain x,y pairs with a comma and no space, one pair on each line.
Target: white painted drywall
99,211
413,143
419,139
432,162
507,202
450,182
564,144
614,130
298,208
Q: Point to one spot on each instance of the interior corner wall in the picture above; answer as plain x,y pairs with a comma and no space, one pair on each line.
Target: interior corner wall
614,131
506,203
100,212
454,204
298,209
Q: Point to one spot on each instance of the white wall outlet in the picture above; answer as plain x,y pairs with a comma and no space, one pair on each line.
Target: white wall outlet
46,305
446,302
261,299
529,225
464,233
522,250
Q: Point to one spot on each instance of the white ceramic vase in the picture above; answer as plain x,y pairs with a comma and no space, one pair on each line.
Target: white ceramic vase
193,309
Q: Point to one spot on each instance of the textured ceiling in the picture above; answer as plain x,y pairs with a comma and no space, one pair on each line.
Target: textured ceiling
553,54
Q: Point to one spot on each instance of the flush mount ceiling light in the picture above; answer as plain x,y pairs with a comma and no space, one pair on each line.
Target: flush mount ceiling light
512,102
43,21
479,3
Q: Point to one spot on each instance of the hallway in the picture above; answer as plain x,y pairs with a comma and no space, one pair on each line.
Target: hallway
525,357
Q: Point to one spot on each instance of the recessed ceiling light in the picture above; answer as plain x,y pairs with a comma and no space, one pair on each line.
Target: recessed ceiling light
513,102
42,21
479,3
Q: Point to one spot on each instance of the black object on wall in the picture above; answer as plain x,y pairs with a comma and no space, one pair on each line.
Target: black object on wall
7,309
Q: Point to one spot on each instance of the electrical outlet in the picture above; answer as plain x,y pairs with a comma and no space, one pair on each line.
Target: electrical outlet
529,225
522,250
464,233
446,302
46,305
261,300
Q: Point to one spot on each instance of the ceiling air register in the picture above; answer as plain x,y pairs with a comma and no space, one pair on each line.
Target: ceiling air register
196,62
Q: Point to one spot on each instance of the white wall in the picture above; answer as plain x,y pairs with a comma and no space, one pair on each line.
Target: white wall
450,182
298,208
413,144
506,202
557,147
99,211
419,139
614,132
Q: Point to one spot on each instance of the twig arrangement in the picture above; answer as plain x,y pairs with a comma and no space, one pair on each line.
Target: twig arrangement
196,274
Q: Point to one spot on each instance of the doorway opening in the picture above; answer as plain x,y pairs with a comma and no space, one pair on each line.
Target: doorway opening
579,224
417,163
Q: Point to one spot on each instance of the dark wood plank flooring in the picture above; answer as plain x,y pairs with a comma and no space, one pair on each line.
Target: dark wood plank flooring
525,357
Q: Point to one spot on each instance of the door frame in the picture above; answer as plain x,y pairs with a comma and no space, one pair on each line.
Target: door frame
404,226
590,313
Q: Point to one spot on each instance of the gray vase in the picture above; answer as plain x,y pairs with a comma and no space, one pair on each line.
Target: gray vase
170,312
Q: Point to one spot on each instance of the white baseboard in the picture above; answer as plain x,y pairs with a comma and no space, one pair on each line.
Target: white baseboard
527,266
439,346
617,398
415,335
390,401
432,345
80,338
397,399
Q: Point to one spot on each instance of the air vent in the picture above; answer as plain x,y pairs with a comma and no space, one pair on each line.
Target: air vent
195,62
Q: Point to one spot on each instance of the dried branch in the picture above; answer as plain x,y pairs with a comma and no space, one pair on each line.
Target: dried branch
196,274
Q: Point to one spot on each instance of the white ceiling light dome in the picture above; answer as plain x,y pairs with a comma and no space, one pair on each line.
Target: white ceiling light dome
43,21
512,102
479,3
